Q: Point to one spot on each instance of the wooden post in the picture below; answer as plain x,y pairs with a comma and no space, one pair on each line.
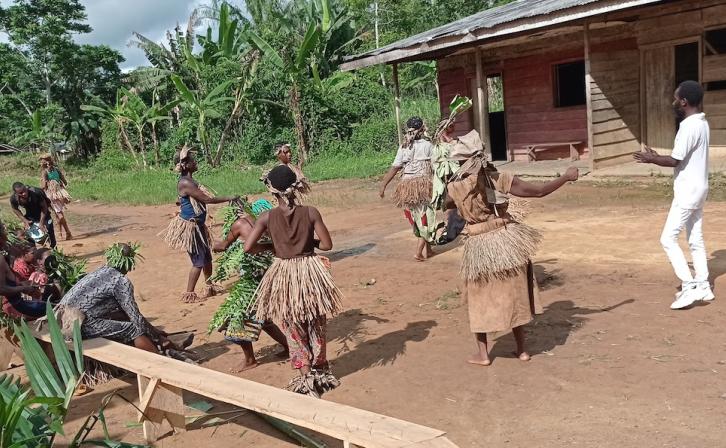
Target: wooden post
482,96
588,96
157,402
397,97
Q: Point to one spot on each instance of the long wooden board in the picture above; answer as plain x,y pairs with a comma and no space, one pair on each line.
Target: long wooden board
353,425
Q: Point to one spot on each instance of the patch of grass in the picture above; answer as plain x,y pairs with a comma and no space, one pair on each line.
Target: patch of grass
449,301
158,186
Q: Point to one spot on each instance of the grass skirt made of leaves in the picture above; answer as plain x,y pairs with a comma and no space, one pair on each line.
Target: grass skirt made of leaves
188,235
297,290
413,192
497,249
57,193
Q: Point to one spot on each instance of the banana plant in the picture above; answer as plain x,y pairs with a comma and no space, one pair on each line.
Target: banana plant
295,68
313,57
31,417
205,107
39,134
117,113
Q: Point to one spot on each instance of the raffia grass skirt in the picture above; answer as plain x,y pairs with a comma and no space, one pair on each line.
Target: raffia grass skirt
188,235
297,290
500,253
55,192
413,192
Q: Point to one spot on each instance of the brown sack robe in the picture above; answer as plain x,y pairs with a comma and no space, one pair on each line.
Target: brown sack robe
508,298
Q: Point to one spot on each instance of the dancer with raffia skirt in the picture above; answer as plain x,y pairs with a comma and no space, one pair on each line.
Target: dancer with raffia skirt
496,267
414,191
188,229
297,291
283,152
54,183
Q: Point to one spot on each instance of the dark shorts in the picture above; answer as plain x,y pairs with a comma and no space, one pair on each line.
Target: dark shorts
202,258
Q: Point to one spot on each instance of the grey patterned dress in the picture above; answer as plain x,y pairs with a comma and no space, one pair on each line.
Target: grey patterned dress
106,298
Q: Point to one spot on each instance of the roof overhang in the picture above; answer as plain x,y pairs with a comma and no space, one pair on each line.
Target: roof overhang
433,47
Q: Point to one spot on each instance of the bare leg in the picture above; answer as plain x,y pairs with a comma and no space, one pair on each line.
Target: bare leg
481,357
64,225
429,253
189,296
275,333
519,338
420,256
194,274
249,361
143,342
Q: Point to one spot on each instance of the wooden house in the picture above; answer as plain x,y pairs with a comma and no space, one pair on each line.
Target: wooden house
588,78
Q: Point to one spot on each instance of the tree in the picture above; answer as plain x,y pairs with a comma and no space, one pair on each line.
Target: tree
315,33
116,113
206,107
42,28
57,71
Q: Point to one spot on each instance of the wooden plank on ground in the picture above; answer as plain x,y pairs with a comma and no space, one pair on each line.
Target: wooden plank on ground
357,426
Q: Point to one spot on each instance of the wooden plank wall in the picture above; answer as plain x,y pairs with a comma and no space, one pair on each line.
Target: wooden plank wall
454,78
529,106
615,101
714,105
682,20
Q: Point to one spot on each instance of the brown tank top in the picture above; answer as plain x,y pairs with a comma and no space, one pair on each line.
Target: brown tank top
293,234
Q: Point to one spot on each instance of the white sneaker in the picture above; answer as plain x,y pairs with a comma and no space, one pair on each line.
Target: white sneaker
689,294
705,292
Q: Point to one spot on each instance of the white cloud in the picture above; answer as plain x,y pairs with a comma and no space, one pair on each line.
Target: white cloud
113,21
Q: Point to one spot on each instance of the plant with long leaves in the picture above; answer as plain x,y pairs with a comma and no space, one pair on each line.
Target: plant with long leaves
206,107
123,257
317,34
116,113
442,166
66,270
33,417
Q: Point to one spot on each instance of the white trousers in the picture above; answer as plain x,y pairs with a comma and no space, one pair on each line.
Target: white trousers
692,220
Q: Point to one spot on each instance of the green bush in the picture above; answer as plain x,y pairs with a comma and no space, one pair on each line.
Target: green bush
114,160
24,162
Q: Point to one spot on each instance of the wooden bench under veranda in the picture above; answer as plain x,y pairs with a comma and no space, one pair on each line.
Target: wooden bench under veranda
533,149
162,382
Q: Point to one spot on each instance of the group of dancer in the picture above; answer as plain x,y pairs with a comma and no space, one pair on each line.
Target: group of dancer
286,289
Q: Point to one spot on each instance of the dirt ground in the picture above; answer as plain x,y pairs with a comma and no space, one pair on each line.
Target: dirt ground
612,366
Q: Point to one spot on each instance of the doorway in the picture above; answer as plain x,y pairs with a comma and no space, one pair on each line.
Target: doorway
497,121
664,68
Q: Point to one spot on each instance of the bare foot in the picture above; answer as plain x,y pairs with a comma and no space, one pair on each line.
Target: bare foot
419,258
244,365
479,360
192,297
69,237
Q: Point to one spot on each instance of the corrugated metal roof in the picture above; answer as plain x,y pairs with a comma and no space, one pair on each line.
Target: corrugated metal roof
489,18
492,18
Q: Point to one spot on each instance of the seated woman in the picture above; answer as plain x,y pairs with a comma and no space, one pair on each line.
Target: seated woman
104,302
12,288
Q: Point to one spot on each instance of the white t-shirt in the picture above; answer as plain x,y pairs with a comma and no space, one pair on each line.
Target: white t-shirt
690,184
415,159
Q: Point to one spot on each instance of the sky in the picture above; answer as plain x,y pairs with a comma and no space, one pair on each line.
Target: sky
113,21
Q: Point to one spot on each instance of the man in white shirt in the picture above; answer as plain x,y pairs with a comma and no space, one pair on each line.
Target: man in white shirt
690,189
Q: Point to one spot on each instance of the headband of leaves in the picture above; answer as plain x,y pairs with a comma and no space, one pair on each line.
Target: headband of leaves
123,256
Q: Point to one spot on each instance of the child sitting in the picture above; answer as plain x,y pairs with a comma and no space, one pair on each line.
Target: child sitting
23,266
